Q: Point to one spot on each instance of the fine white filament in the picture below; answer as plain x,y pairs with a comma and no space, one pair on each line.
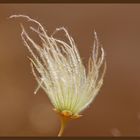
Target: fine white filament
59,70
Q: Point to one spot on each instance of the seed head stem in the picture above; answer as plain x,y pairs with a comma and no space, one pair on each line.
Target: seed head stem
63,124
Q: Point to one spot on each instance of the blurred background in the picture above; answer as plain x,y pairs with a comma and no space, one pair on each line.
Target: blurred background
116,109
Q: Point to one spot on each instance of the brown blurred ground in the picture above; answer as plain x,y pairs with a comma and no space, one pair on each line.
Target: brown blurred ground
116,110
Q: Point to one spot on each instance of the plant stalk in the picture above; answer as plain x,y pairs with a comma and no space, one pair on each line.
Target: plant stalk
63,124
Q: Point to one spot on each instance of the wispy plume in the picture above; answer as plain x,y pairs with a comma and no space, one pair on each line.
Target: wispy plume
60,72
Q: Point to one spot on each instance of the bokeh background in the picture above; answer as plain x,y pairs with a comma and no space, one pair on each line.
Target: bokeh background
116,109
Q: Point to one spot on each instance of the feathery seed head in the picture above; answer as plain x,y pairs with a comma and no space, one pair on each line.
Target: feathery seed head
60,72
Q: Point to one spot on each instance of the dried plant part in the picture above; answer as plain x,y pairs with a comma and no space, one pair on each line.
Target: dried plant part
59,70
